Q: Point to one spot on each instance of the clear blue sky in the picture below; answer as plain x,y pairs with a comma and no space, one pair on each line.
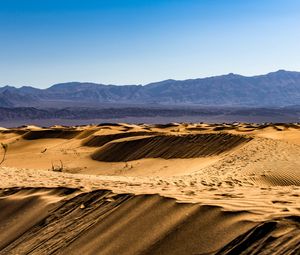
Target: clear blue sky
43,42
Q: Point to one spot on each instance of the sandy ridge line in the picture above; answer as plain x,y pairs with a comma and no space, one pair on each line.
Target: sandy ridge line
257,200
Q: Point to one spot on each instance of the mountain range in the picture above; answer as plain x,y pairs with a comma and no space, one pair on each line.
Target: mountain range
276,89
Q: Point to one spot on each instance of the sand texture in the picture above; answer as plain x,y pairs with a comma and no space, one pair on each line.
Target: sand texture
151,189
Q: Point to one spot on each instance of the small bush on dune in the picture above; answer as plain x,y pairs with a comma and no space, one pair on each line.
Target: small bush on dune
58,168
4,147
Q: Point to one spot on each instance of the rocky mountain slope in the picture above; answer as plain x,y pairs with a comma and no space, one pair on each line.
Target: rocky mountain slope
281,88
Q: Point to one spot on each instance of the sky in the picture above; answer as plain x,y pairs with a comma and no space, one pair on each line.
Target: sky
43,42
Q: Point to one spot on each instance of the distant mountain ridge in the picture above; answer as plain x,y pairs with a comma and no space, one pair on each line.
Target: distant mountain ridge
276,89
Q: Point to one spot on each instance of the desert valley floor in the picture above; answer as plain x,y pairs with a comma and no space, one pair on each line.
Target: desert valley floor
151,189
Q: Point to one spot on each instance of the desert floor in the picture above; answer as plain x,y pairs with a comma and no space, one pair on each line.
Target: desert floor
151,189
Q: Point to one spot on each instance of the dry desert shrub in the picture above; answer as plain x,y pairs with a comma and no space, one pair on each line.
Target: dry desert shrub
58,168
4,147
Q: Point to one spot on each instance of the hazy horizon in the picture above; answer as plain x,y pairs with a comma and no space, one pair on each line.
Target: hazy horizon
138,42
139,84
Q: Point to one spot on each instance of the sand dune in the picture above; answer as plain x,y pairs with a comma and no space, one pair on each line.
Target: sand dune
50,133
187,146
223,189
61,221
278,236
66,221
99,140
